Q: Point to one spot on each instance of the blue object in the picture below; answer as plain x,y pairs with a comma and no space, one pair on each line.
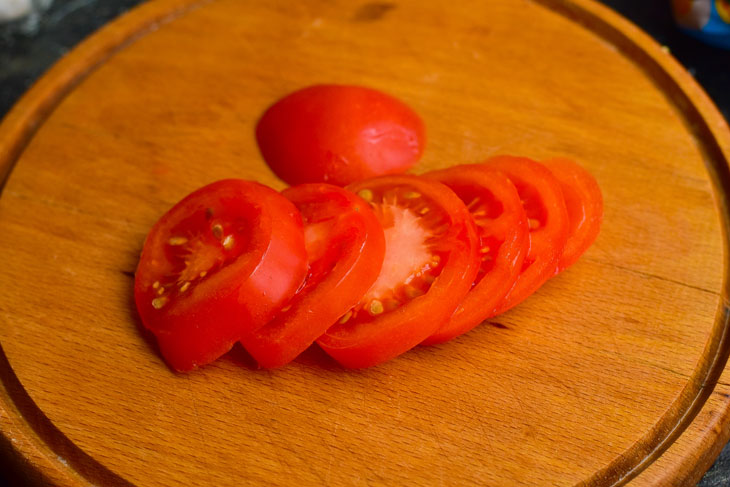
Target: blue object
715,31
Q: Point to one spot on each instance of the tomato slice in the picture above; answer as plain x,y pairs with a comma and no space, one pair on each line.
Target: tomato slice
584,202
547,219
346,245
220,262
501,223
339,134
431,259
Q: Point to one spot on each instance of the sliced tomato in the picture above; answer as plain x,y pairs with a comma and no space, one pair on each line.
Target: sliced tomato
501,223
220,262
346,245
431,260
339,134
547,219
584,203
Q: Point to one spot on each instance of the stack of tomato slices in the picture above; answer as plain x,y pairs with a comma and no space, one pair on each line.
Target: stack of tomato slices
368,271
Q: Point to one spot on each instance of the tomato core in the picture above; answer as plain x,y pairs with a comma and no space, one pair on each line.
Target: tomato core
407,253
412,227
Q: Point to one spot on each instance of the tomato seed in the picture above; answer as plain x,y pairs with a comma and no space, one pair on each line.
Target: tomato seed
161,291
533,223
412,292
228,242
185,287
155,284
365,194
484,250
217,230
376,307
158,303
424,211
412,195
345,317
177,241
203,274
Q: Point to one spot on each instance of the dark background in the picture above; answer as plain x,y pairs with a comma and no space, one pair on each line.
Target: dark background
26,51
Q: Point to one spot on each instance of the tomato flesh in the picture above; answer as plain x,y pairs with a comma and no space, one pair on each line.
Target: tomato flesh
345,245
339,134
218,263
431,259
547,217
584,203
495,206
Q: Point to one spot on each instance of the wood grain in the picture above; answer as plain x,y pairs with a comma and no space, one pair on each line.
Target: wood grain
615,371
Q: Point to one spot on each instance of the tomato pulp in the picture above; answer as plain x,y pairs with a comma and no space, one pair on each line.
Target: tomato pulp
431,260
339,134
584,203
345,245
218,263
547,219
502,226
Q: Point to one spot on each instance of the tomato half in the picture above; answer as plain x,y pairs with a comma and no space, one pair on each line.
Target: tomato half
345,245
501,224
584,203
431,260
220,262
547,219
339,134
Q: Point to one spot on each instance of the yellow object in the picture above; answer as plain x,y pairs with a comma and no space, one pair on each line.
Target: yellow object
723,9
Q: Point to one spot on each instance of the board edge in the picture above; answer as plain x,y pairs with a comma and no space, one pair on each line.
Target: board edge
21,123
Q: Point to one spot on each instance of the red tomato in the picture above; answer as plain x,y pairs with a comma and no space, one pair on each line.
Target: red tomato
584,202
431,259
345,244
339,134
221,261
501,223
547,217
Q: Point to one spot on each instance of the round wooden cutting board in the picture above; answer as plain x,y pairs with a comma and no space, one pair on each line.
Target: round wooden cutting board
614,371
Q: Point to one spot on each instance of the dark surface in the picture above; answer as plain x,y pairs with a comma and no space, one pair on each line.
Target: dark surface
26,51
709,65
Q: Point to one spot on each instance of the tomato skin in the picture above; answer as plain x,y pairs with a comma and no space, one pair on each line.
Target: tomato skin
545,206
209,289
584,202
375,339
504,239
344,262
338,134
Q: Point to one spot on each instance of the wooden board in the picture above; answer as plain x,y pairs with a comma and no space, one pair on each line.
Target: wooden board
614,371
